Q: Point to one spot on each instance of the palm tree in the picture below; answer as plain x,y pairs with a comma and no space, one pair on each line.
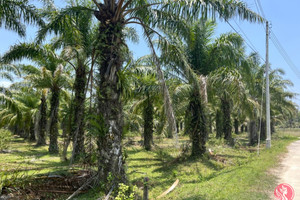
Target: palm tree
14,12
76,36
19,110
195,58
113,17
146,91
27,71
52,77
230,80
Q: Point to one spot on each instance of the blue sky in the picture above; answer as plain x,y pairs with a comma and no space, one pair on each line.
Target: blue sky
284,18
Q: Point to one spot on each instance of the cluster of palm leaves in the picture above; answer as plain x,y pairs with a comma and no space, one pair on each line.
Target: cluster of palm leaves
84,86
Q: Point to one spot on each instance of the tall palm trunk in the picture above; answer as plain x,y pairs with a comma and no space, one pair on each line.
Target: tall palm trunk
31,131
227,126
53,126
66,128
272,126
246,128
253,133
78,122
219,125
197,124
263,134
26,132
42,123
242,128
148,123
110,39
236,126
169,132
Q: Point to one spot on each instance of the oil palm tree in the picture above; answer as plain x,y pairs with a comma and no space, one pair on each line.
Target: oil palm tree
145,91
76,36
113,17
20,107
194,58
227,84
190,59
51,76
14,12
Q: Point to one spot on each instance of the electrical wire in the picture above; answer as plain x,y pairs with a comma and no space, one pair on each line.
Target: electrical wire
277,44
253,48
261,9
284,54
245,35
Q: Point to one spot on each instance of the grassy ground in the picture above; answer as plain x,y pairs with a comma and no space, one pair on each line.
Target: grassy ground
233,173
229,173
24,156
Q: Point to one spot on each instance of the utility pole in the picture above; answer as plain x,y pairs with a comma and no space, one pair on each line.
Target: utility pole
268,140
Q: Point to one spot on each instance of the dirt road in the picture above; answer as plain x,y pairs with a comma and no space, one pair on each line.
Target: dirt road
289,170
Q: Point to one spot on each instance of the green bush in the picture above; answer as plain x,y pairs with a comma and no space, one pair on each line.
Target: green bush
125,192
5,138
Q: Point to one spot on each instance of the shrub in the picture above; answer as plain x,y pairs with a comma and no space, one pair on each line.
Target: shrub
125,192
5,138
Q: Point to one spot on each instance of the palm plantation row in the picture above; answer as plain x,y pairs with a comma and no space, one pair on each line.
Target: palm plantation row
85,86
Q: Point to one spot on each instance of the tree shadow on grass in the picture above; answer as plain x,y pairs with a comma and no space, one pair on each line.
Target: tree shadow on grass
33,153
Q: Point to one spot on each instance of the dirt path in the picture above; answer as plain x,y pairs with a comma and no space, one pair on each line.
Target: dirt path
289,170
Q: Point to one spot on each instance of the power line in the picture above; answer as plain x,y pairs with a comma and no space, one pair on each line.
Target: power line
260,8
284,54
277,44
245,35
252,47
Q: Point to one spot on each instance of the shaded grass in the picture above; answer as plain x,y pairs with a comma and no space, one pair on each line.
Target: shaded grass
26,157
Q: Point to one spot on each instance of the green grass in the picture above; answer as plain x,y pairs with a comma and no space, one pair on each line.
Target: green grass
238,173
233,173
25,156
247,178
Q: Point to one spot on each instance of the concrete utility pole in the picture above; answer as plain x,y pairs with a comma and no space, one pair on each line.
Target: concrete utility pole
268,140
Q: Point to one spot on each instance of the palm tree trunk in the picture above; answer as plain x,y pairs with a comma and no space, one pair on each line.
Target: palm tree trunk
219,125
67,139
242,128
53,126
272,126
148,124
26,132
197,124
78,121
162,123
236,126
227,127
110,158
169,132
263,134
42,123
31,132
253,138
